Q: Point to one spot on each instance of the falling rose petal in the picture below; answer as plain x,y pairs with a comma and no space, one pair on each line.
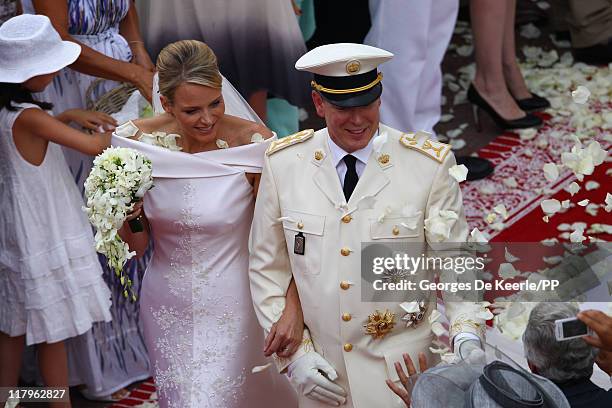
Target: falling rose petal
530,31
259,369
573,188
549,242
458,172
509,257
591,185
564,227
551,172
437,329
257,138
583,203
608,207
579,225
501,210
457,144
546,219
510,182
577,236
410,307
507,271
551,206
581,95
565,204
443,350
454,133
592,209
552,260
477,236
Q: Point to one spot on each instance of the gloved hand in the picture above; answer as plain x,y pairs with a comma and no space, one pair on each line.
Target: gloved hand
304,373
470,351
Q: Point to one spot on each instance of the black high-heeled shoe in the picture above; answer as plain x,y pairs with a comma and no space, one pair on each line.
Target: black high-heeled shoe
478,102
535,103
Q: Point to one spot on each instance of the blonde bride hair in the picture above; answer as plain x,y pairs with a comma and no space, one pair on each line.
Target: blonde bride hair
188,61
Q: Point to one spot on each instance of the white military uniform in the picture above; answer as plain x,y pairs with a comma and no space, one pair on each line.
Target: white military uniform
301,192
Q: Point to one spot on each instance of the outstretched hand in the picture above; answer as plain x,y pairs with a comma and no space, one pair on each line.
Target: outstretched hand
407,381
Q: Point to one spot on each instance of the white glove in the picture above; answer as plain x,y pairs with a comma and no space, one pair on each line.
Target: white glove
304,373
470,351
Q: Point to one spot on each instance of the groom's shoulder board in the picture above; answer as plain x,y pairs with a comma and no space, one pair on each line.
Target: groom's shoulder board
286,141
422,143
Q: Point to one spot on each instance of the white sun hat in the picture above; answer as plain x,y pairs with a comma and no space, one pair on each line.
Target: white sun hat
30,46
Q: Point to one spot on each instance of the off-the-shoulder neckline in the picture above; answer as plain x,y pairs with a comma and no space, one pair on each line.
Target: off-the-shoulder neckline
142,132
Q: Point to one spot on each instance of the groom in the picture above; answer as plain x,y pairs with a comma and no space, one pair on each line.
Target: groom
324,193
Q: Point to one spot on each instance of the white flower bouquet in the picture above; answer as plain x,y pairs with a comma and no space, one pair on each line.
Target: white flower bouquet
119,178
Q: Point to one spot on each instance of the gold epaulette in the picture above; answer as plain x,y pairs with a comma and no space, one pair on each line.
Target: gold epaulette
436,150
289,140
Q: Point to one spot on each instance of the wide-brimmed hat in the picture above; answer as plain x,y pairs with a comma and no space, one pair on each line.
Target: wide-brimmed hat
30,46
345,74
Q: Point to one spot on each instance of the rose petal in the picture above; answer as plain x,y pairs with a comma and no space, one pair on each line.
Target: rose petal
509,257
581,95
583,203
551,172
573,188
551,206
458,172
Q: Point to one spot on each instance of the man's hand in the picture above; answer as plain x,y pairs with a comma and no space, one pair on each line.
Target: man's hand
409,380
305,375
604,361
601,323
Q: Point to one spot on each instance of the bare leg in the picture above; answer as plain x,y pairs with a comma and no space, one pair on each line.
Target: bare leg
488,26
11,349
258,101
53,363
512,72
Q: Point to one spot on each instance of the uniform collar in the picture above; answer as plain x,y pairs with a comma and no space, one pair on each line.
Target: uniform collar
338,153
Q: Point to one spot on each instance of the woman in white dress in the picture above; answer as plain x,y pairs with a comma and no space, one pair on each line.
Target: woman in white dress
199,324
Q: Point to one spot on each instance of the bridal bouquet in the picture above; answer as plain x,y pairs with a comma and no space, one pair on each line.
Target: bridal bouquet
119,178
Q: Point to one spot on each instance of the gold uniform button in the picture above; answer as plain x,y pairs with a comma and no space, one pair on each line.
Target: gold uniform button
300,225
346,317
395,230
345,251
345,285
347,218
348,347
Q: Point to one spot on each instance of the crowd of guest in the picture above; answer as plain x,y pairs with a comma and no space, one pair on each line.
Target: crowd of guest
99,347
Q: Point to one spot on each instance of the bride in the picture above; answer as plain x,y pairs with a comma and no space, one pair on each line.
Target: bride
195,304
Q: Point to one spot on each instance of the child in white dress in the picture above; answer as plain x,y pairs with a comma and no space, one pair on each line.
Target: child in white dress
51,285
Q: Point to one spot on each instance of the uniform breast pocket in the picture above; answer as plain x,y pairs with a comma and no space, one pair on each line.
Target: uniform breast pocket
304,235
397,227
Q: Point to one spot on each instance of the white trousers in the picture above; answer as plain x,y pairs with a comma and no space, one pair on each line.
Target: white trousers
417,32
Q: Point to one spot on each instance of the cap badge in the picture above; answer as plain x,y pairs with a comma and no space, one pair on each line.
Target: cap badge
353,67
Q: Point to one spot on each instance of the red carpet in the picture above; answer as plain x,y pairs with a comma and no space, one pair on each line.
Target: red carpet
139,396
523,161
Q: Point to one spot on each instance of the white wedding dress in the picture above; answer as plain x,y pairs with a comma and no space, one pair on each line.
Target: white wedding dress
195,304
